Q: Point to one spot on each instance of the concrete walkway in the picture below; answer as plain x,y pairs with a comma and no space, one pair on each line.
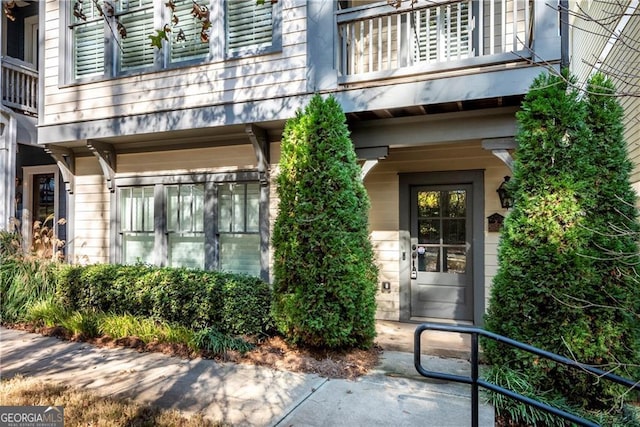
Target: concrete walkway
246,395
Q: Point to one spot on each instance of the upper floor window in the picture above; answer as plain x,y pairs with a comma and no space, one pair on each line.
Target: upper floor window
249,25
117,37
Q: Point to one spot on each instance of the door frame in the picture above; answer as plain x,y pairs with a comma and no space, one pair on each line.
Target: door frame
407,181
28,172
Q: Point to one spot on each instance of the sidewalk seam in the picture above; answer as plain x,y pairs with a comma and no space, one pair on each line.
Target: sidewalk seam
313,390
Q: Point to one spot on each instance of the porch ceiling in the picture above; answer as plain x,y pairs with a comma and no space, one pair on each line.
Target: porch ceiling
423,110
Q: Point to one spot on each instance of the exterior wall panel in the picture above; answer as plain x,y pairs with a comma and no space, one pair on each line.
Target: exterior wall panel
92,213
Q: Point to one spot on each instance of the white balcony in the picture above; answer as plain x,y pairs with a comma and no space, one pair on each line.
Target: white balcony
379,41
19,85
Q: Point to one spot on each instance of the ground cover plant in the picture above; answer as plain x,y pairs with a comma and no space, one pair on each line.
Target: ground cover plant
566,280
324,271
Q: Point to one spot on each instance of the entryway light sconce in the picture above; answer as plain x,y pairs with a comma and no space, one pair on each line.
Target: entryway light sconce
506,201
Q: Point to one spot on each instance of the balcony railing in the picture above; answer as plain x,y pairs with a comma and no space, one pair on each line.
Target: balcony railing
19,85
379,40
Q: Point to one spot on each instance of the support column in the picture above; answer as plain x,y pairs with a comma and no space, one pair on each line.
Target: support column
8,153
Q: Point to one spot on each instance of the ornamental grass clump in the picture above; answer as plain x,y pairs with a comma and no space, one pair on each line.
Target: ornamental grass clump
325,276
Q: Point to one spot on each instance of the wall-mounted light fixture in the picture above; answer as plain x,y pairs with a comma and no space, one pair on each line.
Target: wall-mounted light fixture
506,200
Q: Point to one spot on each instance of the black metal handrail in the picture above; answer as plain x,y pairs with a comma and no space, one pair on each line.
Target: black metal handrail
477,382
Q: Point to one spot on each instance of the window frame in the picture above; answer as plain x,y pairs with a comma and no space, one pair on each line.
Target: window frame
211,183
276,35
217,52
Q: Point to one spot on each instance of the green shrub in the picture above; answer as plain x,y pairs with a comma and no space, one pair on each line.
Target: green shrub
325,276
246,305
194,299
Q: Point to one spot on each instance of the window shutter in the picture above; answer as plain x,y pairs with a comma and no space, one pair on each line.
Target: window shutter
136,51
248,25
192,47
88,42
442,32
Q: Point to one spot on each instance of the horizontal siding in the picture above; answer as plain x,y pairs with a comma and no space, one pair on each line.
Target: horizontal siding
256,77
203,159
92,202
625,59
587,35
386,247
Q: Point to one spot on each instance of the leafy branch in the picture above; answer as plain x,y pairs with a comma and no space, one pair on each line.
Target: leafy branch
198,11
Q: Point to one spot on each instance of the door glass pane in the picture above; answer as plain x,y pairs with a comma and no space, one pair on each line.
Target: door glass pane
239,209
429,231
453,231
456,260
185,222
428,204
44,190
455,206
429,259
224,209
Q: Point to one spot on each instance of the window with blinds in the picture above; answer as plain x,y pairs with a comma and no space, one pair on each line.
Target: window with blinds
185,225
165,224
186,41
238,227
137,224
135,50
87,27
442,33
249,25
112,38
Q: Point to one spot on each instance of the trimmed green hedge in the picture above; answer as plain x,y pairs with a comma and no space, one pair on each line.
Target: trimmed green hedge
196,299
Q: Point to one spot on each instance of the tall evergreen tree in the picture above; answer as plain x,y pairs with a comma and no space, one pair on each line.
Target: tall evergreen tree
566,280
325,276
541,253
